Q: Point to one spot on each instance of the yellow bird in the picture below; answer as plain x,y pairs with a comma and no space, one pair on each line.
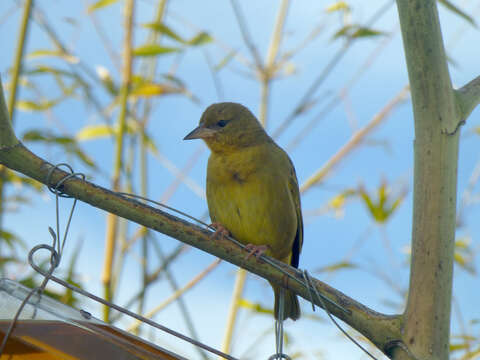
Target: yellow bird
252,188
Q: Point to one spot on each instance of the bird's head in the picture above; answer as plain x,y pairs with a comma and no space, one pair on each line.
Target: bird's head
227,127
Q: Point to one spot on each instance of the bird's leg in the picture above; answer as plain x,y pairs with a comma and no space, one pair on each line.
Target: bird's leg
220,231
256,250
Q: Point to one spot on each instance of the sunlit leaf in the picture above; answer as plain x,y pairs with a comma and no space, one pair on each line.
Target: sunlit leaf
255,307
165,30
384,205
338,6
200,39
460,346
153,89
53,53
154,50
342,265
453,8
91,132
100,4
338,201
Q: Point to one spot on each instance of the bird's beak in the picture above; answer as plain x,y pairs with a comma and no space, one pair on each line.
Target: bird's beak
200,132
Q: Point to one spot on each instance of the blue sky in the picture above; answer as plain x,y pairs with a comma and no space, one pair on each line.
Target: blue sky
385,155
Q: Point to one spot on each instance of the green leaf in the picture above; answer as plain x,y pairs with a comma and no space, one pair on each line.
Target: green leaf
356,31
384,205
165,30
200,39
458,12
11,240
342,265
153,89
153,50
30,105
53,53
40,135
45,69
365,32
69,144
100,4
255,307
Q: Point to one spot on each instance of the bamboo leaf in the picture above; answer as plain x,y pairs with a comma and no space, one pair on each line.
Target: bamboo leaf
200,39
69,144
153,50
100,4
365,32
154,89
30,105
91,132
342,265
165,30
453,8
53,53
338,6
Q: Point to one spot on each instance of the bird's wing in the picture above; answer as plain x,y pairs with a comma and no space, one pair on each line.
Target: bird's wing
294,190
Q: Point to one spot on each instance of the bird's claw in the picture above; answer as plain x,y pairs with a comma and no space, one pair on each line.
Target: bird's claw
255,250
220,231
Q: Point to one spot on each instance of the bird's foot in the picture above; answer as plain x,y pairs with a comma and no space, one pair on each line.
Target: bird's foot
255,250
220,231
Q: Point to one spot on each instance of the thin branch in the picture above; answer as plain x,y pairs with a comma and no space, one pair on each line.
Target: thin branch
305,101
468,97
267,73
17,64
177,294
233,311
246,35
356,138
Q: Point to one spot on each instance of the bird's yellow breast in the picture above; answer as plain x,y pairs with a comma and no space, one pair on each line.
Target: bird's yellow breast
248,192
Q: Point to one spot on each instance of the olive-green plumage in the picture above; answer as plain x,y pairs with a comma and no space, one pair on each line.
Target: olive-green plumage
252,189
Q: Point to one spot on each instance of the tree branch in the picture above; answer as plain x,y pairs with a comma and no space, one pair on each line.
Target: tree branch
382,330
426,328
468,97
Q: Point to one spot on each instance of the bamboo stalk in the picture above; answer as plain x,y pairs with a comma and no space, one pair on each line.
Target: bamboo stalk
17,68
233,312
112,220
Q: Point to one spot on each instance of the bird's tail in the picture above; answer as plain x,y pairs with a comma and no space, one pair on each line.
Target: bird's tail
291,308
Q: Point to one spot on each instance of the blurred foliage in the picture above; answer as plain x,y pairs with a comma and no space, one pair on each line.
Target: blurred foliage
75,80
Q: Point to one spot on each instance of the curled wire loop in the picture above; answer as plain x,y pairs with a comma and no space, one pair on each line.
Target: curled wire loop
57,188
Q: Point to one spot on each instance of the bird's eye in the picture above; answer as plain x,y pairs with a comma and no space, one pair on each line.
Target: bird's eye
222,123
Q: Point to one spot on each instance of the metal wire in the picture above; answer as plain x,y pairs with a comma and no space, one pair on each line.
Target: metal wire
306,276
279,329
56,250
